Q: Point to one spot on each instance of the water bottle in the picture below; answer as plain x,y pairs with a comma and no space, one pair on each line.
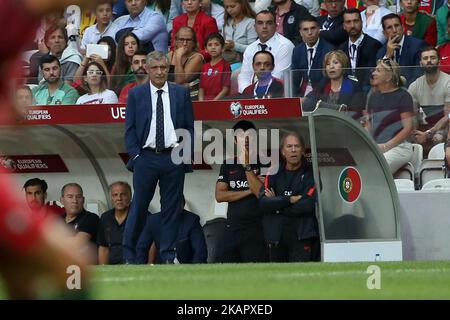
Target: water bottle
377,257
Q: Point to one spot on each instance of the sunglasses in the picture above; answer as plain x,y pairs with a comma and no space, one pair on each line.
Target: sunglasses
94,72
387,62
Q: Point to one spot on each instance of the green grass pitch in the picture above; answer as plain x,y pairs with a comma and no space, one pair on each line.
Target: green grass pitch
398,280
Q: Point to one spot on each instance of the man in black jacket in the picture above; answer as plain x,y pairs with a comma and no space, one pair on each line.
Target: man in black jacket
239,185
288,15
359,47
331,28
288,200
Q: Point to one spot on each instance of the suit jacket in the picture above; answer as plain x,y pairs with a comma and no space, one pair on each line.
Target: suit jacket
336,34
139,115
365,58
410,56
190,243
300,66
351,94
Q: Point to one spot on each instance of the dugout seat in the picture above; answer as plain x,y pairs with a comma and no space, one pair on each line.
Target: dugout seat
437,152
437,184
405,172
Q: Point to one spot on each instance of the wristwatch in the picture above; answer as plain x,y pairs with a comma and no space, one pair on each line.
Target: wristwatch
247,167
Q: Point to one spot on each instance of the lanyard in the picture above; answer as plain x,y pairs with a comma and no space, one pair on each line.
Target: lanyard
265,93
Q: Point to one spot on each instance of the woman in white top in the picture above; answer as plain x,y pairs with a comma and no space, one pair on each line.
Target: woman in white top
94,79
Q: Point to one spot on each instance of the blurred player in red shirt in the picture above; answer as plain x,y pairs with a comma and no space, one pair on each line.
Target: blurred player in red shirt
36,255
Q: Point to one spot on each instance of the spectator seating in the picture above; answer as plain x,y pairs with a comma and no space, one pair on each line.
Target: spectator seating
437,184
417,157
405,172
437,152
433,168
404,184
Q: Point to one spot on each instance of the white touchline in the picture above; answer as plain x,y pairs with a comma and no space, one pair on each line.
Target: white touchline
290,274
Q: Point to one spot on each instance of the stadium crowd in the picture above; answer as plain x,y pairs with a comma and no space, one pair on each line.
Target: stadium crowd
375,58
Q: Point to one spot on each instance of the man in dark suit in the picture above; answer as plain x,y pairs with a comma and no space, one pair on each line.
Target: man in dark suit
359,47
190,242
331,28
307,58
405,50
154,111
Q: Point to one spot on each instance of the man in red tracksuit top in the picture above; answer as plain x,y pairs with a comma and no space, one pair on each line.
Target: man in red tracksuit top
32,249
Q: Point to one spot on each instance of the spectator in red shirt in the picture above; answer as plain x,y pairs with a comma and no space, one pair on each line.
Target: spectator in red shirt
444,51
198,20
215,78
36,196
417,23
138,66
23,101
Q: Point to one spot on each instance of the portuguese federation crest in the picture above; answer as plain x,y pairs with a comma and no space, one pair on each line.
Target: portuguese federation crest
349,184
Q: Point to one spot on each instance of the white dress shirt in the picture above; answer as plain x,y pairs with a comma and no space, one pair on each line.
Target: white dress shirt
170,137
279,46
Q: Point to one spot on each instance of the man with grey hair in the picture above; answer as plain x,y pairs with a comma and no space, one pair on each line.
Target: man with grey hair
156,114
83,222
112,224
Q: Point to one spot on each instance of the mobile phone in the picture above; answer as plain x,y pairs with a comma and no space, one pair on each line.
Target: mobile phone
98,49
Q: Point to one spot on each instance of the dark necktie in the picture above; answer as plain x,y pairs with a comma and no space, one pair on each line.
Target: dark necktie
263,46
310,50
397,55
353,51
159,138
